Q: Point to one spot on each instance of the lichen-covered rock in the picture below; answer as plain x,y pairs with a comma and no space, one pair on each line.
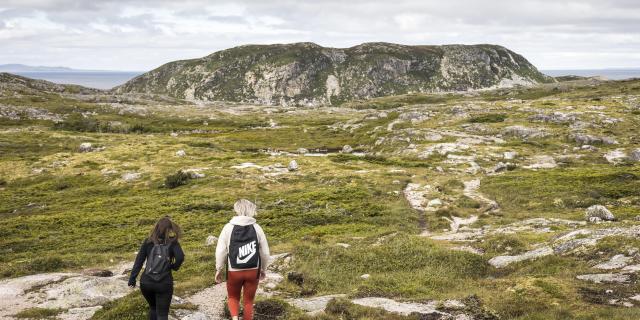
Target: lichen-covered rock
635,155
599,211
308,74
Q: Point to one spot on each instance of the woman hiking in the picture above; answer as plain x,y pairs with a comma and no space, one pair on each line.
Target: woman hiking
243,248
162,253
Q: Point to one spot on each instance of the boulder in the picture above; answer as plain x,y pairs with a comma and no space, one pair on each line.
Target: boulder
599,211
85,147
293,166
347,149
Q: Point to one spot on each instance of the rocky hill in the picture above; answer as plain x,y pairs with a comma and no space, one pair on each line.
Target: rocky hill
308,74
11,83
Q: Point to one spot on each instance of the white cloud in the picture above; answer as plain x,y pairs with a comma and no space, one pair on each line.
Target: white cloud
142,34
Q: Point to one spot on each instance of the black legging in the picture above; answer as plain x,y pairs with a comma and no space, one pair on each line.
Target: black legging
158,295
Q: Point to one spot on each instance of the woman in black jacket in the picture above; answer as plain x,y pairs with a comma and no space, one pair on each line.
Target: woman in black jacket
162,253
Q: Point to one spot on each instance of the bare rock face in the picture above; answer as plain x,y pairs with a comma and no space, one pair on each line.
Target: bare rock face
308,74
600,212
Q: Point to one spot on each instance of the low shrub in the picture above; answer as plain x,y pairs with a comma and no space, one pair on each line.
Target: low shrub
177,179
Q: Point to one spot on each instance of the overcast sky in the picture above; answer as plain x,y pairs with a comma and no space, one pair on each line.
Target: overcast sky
141,35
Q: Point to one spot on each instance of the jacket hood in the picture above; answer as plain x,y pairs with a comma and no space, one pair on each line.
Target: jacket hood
242,220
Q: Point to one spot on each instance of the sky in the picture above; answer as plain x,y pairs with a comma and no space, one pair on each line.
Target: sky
142,35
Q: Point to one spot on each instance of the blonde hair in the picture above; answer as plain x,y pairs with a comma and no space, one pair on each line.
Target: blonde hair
244,207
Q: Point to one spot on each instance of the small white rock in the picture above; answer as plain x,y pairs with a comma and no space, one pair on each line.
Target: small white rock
211,240
180,153
347,149
293,166
365,276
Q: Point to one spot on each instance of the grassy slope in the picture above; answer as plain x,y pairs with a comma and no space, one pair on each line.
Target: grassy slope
71,216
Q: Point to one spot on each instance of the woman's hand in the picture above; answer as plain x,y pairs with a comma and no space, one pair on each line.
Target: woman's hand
218,277
262,275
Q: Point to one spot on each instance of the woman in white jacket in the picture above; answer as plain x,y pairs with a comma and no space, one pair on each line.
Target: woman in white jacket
243,248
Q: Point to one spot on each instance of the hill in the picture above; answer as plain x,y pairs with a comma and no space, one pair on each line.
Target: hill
309,74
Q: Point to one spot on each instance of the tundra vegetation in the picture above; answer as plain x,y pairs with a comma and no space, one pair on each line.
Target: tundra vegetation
439,197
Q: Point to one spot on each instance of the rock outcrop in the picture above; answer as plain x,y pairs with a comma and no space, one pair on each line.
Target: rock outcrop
308,74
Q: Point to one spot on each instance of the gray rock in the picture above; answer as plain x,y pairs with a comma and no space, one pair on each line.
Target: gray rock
302,151
510,155
556,117
523,132
181,153
131,176
347,149
542,162
616,156
616,262
293,166
600,212
583,139
635,155
606,277
85,147
314,304
503,261
403,308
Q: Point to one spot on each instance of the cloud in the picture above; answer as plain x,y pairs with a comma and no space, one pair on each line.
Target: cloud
142,34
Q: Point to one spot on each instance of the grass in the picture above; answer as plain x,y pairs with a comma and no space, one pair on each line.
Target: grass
54,199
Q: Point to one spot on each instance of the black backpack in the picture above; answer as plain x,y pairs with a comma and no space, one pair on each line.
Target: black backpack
244,250
158,262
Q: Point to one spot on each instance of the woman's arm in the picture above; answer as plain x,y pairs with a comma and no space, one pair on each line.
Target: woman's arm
137,265
265,254
178,256
222,249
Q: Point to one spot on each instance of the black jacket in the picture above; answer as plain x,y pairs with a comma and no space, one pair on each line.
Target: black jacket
177,257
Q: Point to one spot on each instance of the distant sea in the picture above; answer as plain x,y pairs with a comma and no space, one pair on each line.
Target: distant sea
91,79
611,74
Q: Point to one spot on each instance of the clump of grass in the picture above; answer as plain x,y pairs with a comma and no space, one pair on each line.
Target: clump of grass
271,309
177,179
38,313
489,118
48,264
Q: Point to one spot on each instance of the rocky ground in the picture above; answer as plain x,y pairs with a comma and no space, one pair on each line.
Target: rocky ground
504,204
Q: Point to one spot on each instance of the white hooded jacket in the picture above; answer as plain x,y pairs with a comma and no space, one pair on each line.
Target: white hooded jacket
222,248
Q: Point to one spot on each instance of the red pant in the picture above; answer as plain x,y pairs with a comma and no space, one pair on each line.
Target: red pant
236,281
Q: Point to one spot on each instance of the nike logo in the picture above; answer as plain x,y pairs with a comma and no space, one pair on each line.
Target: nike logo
247,251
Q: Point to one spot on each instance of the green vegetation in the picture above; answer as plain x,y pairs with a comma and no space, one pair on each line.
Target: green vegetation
66,210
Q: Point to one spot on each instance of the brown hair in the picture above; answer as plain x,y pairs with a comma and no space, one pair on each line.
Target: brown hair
165,231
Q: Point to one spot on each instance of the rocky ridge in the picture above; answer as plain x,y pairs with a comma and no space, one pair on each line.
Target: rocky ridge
308,74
